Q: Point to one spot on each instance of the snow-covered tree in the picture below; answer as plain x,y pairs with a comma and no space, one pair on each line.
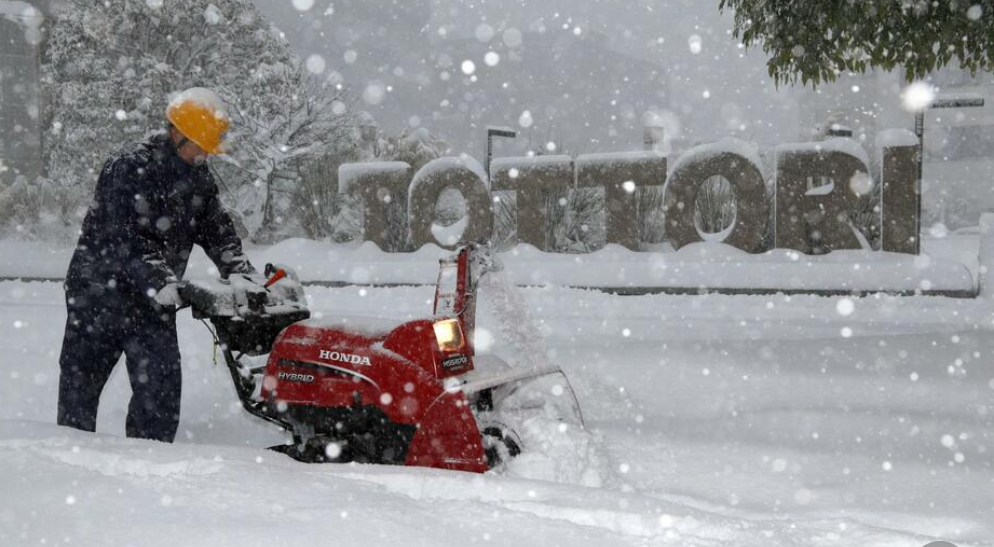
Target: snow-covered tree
109,69
320,211
296,118
416,147
816,41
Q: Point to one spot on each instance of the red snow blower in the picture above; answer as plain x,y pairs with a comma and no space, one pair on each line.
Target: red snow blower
375,390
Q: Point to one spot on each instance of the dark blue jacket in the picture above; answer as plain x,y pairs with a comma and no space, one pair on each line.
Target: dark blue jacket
150,207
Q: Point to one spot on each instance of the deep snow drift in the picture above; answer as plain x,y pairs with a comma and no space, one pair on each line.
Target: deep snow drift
714,420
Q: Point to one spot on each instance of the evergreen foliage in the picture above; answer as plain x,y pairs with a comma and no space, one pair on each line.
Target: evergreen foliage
815,41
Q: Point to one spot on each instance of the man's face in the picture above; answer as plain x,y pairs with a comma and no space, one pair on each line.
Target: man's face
189,152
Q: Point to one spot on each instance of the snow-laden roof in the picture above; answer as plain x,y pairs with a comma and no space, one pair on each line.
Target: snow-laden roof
619,158
839,144
348,173
704,152
896,137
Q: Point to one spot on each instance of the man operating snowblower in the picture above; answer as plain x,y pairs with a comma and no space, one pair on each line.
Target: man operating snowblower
153,202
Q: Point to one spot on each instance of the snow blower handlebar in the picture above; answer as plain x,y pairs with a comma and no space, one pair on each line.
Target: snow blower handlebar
248,313
245,294
274,273
247,316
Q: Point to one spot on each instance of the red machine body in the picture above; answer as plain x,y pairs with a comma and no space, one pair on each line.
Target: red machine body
385,391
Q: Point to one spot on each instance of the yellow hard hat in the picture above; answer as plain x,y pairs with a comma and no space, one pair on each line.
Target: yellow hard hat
199,114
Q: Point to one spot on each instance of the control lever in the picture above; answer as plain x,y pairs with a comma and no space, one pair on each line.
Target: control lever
274,274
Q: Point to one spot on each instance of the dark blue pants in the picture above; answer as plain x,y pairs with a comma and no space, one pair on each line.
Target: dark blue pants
103,323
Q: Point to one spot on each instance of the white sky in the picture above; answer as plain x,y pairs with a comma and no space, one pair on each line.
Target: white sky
716,89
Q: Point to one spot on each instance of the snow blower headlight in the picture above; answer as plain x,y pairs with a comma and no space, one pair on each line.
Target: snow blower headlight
448,333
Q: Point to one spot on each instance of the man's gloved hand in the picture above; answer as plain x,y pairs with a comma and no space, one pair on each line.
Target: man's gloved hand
168,296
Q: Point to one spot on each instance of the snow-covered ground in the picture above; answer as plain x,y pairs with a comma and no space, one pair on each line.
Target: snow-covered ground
714,420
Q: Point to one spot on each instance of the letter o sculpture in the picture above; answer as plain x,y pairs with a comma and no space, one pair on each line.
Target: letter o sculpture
462,173
680,197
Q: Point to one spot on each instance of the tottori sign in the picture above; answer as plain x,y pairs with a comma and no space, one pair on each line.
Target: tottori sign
804,203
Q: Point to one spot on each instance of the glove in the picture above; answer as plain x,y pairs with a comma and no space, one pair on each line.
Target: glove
168,296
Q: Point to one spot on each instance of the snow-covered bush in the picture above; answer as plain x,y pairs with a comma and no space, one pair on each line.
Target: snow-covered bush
865,217
575,220
649,211
450,207
321,211
505,220
39,209
949,209
714,208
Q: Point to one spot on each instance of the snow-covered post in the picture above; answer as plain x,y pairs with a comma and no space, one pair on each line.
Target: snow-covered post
821,213
986,275
381,186
621,175
735,161
463,173
899,179
531,178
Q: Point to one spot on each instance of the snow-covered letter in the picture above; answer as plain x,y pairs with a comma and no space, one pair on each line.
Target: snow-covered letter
818,185
621,175
532,179
382,186
463,173
899,177
734,161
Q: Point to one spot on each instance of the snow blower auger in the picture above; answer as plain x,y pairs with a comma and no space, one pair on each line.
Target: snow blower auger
375,390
